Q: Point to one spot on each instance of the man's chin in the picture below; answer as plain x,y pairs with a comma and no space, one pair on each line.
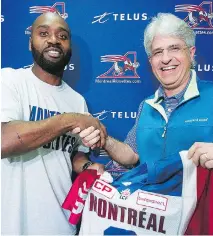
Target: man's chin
53,65
54,68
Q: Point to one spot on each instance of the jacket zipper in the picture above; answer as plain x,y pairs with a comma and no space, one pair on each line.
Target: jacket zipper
164,132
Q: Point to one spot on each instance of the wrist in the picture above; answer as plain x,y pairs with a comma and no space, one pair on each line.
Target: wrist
107,144
86,165
68,121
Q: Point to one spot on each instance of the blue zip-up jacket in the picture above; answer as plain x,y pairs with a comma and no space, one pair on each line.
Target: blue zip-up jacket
160,140
192,121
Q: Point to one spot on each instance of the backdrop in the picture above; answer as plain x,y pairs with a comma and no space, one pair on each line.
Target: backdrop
109,66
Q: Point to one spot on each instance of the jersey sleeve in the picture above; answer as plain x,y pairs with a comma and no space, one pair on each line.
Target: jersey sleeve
10,96
131,136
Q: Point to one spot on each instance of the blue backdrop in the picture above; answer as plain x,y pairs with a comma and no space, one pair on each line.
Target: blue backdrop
109,66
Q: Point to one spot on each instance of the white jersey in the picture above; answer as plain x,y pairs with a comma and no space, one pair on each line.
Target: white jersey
35,184
108,212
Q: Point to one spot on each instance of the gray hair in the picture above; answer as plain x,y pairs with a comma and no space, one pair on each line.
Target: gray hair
169,25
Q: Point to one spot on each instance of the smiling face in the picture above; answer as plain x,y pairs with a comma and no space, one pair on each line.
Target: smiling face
171,62
50,43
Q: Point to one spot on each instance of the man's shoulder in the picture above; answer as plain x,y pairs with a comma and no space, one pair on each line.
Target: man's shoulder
11,70
9,73
205,82
205,85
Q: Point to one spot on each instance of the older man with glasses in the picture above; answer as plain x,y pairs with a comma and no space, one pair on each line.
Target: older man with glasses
179,116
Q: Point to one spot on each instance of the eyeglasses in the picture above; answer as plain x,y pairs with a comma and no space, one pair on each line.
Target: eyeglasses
172,51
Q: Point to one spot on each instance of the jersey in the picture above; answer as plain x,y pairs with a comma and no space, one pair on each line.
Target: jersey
35,184
162,201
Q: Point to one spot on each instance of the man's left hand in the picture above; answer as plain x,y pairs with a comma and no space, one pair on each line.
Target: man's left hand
202,153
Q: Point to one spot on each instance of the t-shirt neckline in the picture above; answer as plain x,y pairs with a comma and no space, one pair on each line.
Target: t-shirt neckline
45,85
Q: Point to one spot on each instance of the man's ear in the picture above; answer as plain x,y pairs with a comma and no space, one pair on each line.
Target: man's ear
30,44
192,52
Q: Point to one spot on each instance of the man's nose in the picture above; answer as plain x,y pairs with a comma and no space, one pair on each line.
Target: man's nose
166,57
53,39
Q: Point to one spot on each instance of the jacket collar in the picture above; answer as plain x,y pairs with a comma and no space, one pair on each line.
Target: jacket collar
191,92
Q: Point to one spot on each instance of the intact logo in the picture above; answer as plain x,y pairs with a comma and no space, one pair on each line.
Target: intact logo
197,120
152,200
199,16
104,188
124,66
58,7
106,16
102,18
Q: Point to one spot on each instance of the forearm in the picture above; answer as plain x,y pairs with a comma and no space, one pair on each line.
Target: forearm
23,136
78,161
120,152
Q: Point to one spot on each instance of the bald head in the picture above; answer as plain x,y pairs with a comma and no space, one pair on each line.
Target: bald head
49,18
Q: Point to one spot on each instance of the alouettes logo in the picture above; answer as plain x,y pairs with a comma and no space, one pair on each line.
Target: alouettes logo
125,194
199,16
124,66
58,7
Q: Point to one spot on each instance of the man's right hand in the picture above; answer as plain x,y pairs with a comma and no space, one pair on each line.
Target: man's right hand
84,121
90,137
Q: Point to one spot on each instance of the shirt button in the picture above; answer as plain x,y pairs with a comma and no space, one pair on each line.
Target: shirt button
169,110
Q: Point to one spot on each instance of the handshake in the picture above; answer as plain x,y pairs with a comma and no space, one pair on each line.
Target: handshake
91,131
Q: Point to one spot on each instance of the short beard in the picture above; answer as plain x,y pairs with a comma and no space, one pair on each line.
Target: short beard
54,68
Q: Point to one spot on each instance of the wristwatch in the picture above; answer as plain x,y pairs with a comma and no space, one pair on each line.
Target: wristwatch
87,164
